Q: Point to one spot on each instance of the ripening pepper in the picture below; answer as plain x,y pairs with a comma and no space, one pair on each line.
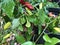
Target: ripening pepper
7,25
29,6
22,2
51,14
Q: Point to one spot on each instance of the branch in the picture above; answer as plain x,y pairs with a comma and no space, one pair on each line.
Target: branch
44,30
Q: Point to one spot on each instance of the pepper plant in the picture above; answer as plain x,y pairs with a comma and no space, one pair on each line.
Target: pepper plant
18,17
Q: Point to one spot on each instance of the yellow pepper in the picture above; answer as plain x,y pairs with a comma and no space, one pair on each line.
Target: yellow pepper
28,11
57,29
41,5
7,25
6,36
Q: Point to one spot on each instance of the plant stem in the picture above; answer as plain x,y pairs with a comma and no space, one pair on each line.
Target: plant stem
43,31
41,34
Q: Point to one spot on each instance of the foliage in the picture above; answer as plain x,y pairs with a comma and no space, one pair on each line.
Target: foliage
22,20
50,40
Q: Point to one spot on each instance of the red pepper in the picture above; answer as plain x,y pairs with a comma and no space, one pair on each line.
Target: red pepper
22,2
29,6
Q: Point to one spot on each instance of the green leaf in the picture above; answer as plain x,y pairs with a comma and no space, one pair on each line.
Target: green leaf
46,38
47,43
28,43
29,30
0,5
20,9
8,7
28,36
22,20
39,29
33,19
15,23
41,16
55,40
1,38
53,5
20,28
28,24
20,38
54,22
